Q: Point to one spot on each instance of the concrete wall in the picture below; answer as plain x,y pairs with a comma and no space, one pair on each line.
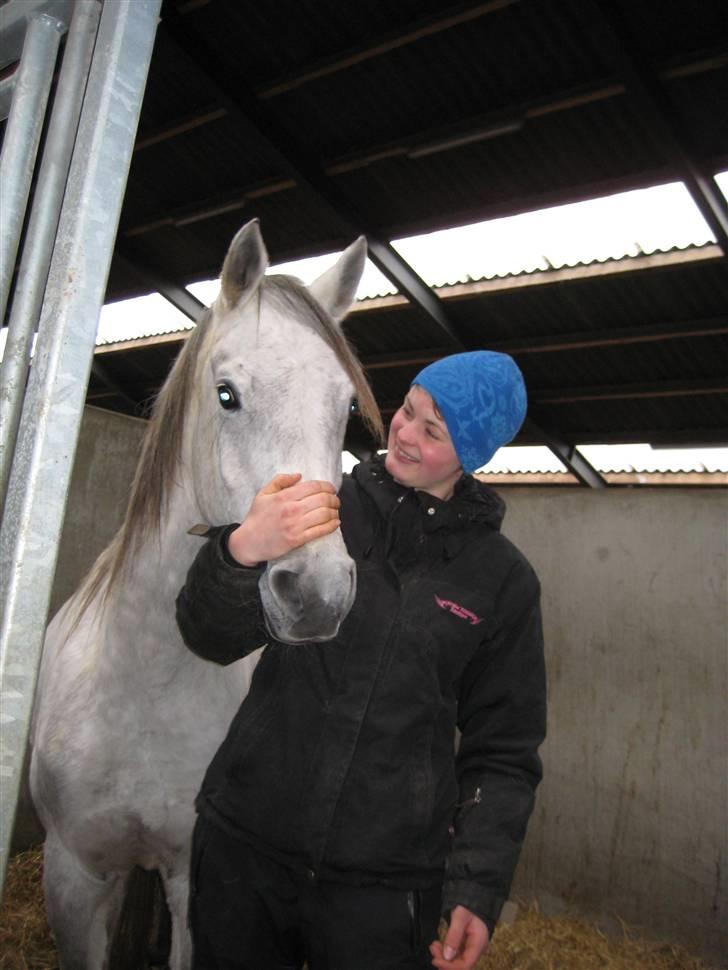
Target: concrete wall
632,815
106,458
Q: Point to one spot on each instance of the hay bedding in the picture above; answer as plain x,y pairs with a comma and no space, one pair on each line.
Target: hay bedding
532,942
25,940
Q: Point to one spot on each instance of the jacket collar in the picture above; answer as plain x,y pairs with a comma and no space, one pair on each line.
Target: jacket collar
472,501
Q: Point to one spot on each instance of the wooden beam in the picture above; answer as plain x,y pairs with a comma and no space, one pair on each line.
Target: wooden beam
626,392
342,60
584,340
178,126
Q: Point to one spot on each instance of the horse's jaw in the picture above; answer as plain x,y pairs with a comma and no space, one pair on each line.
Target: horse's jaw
307,594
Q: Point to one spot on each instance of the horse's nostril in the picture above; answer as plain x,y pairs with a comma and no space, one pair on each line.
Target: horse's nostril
284,585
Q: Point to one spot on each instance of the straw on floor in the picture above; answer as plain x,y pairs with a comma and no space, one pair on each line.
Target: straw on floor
533,941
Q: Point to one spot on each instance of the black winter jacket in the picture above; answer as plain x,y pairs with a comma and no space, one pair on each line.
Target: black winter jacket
342,757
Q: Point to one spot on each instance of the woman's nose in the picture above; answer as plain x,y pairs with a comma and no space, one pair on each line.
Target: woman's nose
408,435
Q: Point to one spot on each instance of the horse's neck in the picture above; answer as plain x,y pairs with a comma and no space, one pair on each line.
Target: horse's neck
145,597
169,553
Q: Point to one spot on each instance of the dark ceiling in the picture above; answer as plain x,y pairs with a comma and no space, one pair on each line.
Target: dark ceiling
329,118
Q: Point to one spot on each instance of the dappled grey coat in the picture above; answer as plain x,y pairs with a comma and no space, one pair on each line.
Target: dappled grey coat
341,758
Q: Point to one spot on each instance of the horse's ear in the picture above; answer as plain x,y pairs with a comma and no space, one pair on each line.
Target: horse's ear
336,288
245,263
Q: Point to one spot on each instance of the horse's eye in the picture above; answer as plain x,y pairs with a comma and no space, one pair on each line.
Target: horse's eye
354,407
227,397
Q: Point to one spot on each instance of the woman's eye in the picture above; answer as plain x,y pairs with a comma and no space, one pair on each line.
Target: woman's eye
227,397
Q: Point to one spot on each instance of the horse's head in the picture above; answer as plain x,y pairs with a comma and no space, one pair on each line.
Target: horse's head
276,381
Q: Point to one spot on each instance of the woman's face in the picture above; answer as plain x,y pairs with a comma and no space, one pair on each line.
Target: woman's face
420,453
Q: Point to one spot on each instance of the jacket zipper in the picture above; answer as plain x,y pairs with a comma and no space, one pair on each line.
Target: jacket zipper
413,908
462,809
469,802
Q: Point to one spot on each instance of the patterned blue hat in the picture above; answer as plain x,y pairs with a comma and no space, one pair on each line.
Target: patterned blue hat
482,397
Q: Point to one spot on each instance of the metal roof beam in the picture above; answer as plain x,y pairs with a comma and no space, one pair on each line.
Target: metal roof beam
569,455
613,38
177,295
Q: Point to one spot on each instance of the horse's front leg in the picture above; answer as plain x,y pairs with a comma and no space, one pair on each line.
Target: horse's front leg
177,891
82,909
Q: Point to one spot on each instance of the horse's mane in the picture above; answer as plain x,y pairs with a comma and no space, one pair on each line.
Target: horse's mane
162,443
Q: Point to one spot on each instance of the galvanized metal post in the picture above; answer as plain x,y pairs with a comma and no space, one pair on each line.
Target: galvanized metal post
22,137
52,412
41,232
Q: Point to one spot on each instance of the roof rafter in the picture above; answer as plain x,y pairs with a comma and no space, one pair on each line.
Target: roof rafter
177,295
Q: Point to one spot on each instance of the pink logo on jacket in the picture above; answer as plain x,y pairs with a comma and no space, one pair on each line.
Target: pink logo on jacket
458,610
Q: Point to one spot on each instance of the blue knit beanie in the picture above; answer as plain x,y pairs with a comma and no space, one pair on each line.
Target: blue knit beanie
482,397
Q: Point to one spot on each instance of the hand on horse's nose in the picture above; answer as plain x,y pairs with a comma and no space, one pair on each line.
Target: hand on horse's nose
285,514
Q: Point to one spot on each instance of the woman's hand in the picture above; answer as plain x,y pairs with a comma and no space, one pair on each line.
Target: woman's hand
285,514
464,944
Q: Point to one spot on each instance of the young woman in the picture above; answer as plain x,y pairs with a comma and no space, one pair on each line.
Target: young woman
337,822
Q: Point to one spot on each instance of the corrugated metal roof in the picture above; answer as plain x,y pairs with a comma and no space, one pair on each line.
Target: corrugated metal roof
614,459
152,315
327,118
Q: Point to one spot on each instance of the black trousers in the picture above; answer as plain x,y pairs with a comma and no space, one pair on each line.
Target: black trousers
248,912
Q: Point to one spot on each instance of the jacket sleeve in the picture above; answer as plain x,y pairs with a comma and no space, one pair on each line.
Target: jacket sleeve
502,719
219,612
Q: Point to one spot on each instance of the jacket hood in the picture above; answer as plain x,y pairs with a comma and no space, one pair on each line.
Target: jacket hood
472,501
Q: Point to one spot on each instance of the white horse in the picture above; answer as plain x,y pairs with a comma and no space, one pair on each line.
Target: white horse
126,717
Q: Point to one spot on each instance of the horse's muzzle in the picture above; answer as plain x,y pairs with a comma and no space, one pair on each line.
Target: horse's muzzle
307,597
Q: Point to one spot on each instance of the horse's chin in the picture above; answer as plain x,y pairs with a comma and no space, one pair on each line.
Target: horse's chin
297,634
313,624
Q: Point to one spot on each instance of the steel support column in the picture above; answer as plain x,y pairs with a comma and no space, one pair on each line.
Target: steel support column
41,232
22,136
54,402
